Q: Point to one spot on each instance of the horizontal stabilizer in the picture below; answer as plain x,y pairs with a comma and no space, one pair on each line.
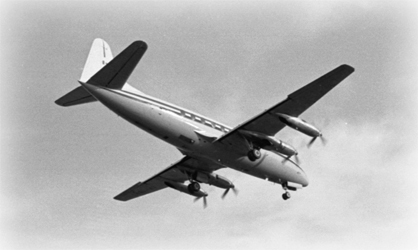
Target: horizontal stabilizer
76,96
115,74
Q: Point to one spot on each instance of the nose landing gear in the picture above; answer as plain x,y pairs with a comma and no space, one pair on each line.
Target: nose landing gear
286,195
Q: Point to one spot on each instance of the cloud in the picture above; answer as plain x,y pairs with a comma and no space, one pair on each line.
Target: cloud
360,196
228,61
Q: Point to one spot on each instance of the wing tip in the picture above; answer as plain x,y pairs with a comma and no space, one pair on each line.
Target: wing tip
119,198
60,103
347,67
140,44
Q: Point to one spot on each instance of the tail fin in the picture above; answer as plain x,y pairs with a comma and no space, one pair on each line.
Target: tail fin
99,55
100,69
115,74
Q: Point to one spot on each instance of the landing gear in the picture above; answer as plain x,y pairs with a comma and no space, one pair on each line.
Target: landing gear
254,151
286,195
254,154
193,187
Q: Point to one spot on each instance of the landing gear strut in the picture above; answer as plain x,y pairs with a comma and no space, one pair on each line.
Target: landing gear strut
286,194
254,154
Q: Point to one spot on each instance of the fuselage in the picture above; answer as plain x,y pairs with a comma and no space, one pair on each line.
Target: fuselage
195,135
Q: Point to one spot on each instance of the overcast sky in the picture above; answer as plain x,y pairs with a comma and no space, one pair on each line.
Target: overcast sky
61,167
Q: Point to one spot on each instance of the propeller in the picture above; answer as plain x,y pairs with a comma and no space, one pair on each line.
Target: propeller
323,140
288,157
227,190
297,158
205,202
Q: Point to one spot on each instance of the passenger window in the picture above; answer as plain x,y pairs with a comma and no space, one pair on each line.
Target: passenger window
208,124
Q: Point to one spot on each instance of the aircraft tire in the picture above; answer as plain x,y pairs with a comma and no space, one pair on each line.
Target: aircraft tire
193,187
254,154
286,196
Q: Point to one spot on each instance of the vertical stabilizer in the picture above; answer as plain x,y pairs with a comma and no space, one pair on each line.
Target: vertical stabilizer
102,70
99,55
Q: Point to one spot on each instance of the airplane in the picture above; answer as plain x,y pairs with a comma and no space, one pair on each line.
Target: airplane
206,145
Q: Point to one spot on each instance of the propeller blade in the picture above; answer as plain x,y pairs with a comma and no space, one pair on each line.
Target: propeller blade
236,191
227,190
286,159
311,142
297,159
225,193
205,202
323,140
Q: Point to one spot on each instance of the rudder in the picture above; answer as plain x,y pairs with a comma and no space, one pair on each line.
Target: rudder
99,55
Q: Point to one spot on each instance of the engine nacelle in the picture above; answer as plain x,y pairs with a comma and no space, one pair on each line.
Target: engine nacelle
270,143
213,179
281,147
185,189
299,125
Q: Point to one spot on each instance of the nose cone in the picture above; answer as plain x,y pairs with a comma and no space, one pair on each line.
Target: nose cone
300,176
295,174
303,179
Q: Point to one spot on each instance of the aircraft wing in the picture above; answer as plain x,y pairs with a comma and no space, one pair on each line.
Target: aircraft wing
296,103
177,172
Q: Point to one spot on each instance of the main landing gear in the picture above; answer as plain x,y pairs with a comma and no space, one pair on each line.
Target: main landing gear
254,151
254,154
193,187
